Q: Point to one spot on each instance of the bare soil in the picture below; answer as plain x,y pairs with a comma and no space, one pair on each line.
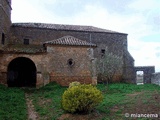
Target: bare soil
149,105
92,116
32,114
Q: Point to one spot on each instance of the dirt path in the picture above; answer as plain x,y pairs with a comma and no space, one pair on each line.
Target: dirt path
32,114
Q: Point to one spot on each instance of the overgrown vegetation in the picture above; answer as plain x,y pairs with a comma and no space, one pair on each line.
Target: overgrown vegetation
108,67
12,104
118,100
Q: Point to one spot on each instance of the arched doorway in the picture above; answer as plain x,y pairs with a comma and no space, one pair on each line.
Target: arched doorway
21,73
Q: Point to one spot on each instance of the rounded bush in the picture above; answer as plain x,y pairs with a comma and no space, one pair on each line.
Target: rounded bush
81,98
74,84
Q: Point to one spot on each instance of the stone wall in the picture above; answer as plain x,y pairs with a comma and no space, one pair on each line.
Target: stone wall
155,79
114,42
39,60
147,72
5,21
129,74
62,71
54,65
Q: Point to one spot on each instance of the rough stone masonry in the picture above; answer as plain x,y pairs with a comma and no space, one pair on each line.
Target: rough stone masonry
34,54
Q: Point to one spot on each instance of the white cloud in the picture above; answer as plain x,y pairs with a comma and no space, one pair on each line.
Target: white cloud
146,53
143,5
27,11
92,15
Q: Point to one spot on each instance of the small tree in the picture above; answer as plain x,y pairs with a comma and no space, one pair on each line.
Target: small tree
108,66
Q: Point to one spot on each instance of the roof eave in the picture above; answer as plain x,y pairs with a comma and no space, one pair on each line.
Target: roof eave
49,44
111,32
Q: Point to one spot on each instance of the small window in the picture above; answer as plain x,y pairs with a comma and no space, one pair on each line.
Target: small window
70,62
3,39
44,47
26,41
102,52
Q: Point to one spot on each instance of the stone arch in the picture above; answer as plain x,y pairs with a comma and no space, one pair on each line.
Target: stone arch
147,72
21,72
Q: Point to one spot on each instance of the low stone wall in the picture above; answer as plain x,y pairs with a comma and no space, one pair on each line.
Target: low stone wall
155,79
147,72
66,80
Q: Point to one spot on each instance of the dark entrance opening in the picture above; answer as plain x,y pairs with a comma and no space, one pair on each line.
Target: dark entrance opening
21,73
3,39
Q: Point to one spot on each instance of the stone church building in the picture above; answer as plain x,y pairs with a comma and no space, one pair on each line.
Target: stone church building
34,54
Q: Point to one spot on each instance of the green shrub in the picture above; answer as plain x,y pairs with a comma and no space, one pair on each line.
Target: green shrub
74,84
81,98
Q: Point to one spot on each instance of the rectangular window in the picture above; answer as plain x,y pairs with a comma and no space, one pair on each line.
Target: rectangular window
3,39
102,52
26,41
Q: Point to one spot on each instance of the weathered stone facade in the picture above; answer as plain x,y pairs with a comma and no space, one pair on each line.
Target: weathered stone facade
5,21
114,41
39,61
62,62
147,72
129,74
155,78
62,72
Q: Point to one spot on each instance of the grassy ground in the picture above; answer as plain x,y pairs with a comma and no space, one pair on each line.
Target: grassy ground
47,101
118,100
12,104
127,98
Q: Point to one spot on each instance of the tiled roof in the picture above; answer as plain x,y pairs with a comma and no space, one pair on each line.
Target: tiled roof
30,49
63,27
70,40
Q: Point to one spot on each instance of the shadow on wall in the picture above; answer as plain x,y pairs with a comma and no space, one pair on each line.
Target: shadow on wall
21,73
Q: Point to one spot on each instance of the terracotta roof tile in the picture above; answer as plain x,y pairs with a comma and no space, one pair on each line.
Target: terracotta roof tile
70,40
63,27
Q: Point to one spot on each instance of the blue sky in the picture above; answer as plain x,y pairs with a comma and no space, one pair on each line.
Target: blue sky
140,19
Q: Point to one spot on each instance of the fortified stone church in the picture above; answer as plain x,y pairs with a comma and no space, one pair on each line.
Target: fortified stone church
34,54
